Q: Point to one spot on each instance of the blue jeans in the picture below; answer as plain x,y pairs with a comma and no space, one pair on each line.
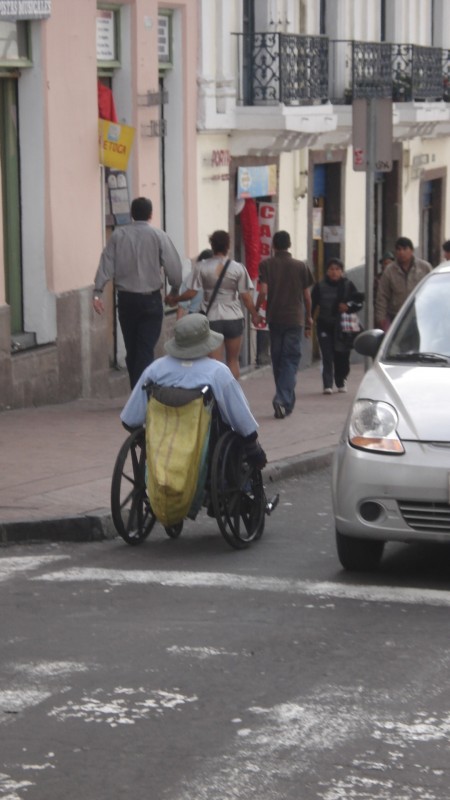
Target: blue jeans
140,317
285,352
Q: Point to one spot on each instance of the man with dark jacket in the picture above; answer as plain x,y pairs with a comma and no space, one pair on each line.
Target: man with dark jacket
285,282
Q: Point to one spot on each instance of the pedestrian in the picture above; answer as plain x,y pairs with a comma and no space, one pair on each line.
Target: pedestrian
446,251
333,296
187,365
133,258
397,281
192,306
226,285
284,284
386,259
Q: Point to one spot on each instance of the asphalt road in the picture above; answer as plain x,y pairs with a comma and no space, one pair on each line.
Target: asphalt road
184,670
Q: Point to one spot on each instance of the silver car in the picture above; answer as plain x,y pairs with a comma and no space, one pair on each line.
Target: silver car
391,469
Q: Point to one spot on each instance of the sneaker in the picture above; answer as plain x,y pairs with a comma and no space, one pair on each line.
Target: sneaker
343,388
328,391
280,411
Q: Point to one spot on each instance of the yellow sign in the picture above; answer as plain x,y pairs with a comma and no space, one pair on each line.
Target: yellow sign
115,142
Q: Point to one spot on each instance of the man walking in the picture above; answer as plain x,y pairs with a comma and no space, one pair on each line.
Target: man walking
397,281
133,258
445,252
285,282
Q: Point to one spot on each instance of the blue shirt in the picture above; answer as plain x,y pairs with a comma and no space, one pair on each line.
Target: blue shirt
191,306
169,371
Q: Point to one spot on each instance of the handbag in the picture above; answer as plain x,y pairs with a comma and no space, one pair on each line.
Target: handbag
350,323
216,288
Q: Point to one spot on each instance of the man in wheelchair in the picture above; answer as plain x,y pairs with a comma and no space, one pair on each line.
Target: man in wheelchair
187,366
234,483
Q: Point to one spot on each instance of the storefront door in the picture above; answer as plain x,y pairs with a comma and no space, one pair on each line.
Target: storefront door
9,156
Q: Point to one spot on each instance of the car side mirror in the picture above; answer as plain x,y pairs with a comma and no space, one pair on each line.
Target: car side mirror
367,343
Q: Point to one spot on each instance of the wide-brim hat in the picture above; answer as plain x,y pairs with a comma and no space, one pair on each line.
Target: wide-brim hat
193,338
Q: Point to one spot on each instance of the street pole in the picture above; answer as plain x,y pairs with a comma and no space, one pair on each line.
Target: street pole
370,213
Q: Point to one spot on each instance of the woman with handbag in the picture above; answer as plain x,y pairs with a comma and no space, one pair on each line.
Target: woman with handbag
226,286
335,301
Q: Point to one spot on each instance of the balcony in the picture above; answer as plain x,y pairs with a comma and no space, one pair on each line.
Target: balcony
283,68
274,68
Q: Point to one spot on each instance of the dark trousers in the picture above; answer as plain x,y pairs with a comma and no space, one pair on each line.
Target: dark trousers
335,364
285,352
140,317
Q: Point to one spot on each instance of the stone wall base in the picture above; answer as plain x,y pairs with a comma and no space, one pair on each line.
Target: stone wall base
76,365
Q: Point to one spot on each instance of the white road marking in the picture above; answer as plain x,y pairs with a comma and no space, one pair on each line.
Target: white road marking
14,700
280,744
50,669
218,580
7,784
126,706
200,652
9,566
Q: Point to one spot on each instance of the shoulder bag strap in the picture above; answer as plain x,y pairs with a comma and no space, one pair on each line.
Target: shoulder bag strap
217,286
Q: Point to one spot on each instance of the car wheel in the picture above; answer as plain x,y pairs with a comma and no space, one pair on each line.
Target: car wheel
358,555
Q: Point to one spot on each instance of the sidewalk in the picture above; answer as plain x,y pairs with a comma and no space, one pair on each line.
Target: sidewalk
56,461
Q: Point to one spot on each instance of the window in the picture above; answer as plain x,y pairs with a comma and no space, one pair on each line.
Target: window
323,17
165,39
383,21
14,44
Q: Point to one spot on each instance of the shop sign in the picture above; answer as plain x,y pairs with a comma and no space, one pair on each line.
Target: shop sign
106,45
117,200
115,142
257,181
266,221
333,234
266,218
25,9
317,222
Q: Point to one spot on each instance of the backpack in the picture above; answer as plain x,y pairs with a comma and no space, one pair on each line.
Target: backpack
177,442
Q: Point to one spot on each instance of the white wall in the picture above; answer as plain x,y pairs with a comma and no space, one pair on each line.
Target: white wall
39,302
212,187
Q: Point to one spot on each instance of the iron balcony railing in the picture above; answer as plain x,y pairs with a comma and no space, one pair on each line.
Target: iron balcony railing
275,68
282,68
417,73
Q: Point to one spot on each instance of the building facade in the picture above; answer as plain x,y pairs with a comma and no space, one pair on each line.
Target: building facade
247,115
62,66
288,91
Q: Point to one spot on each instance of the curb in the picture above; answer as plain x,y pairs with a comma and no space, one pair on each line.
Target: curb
98,526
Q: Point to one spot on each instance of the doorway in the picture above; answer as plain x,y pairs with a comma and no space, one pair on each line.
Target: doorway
431,215
10,162
327,232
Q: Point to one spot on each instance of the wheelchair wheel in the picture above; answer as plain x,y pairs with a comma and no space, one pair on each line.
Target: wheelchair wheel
130,507
174,530
237,493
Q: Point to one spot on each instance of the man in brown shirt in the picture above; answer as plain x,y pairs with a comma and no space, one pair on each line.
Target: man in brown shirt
285,282
397,281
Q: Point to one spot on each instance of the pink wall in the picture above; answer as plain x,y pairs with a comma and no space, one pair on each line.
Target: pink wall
73,200
73,195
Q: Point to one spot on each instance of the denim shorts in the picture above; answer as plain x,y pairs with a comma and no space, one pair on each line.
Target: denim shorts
230,328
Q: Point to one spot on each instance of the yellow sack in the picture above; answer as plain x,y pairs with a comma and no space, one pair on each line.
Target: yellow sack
176,440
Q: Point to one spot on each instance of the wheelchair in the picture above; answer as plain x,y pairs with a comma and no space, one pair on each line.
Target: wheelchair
233,491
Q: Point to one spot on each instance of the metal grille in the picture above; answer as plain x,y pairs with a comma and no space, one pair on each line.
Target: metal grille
417,72
282,68
304,69
429,517
371,70
296,70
